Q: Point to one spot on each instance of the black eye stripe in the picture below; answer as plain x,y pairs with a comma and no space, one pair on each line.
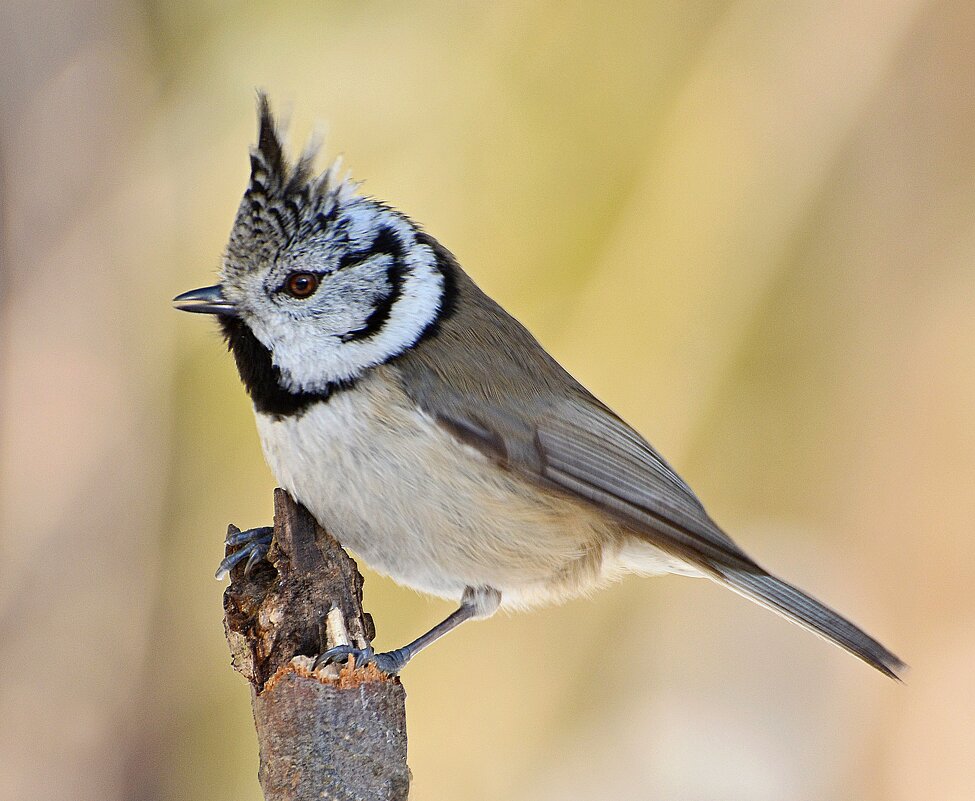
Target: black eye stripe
395,275
386,243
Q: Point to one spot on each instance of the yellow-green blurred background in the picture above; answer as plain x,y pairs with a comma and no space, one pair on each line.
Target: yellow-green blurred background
747,226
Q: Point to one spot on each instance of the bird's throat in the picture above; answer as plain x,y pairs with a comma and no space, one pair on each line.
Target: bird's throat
262,378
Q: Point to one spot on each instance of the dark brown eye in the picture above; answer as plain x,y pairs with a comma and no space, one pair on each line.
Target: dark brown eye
301,285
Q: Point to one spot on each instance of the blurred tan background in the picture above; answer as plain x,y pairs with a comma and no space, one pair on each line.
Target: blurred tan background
747,226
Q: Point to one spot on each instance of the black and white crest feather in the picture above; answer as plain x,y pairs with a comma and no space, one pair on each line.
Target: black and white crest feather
283,204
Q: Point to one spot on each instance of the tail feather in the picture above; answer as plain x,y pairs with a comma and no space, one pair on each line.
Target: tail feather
809,613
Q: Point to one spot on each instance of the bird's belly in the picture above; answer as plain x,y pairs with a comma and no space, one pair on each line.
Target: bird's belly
428,510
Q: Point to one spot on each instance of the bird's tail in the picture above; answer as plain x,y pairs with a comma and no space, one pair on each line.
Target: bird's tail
809,613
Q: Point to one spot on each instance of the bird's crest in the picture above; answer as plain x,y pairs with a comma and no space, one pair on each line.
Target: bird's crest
284,203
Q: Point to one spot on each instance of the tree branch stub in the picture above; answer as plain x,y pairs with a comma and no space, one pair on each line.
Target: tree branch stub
332,733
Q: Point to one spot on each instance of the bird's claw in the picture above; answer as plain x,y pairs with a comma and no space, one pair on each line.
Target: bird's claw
254,543
391,662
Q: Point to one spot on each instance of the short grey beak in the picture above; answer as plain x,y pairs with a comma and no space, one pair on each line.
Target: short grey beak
208,300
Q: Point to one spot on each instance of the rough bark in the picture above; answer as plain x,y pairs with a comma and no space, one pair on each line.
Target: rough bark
331,733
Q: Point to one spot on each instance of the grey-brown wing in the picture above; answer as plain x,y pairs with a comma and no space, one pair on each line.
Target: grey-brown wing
580,447
594,455
586,449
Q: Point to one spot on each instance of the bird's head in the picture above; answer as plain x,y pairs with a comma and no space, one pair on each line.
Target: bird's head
319,283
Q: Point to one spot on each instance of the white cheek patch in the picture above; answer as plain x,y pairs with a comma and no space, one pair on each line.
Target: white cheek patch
311,352
329,360
415,309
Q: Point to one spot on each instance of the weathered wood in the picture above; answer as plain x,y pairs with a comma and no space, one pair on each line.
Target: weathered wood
326,734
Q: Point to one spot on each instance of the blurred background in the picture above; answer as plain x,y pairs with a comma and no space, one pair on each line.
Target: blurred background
747,226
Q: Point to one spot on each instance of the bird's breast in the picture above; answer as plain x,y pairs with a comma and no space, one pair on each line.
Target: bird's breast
431,512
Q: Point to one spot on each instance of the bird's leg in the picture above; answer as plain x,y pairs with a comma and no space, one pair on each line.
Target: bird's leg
254,546
477,602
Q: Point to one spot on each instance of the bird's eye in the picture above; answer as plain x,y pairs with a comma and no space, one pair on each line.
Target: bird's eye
301,285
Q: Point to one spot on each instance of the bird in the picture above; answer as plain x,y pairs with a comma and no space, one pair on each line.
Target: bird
429,431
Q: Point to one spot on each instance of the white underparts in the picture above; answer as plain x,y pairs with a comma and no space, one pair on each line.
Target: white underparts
435,514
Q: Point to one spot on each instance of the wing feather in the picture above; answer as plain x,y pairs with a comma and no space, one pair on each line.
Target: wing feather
595,456
586,449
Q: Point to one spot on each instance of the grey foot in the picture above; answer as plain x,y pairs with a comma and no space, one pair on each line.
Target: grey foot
254,543
389,662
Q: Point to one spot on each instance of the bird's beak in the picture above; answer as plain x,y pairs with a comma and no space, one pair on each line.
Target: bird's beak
208,300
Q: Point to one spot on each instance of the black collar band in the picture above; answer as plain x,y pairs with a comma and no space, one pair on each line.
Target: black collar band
262,378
